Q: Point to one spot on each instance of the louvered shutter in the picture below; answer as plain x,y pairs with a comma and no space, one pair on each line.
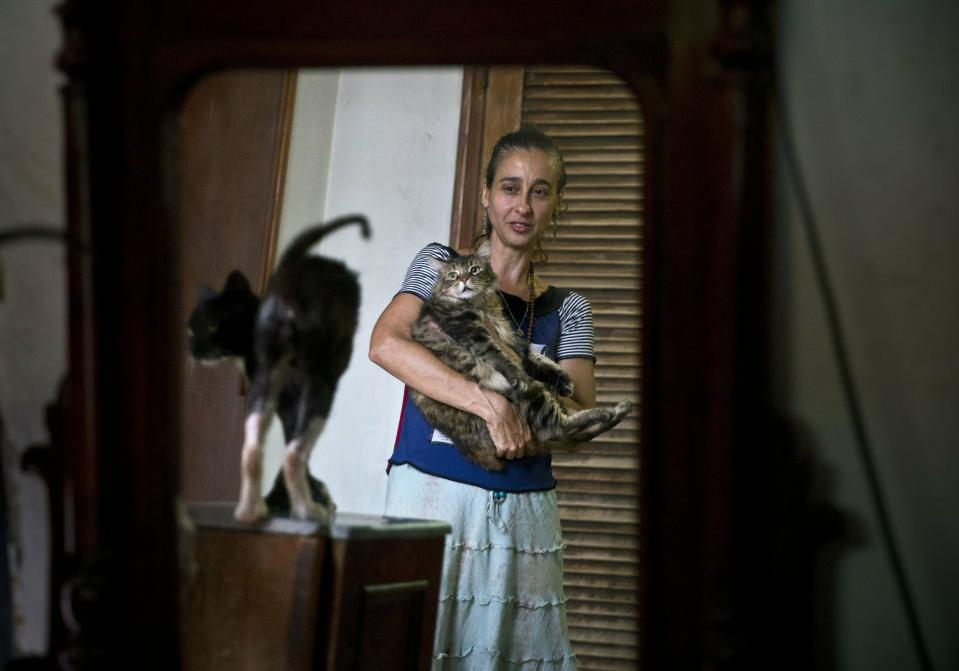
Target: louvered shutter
596,121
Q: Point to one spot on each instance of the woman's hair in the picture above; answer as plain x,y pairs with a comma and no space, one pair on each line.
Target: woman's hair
528,138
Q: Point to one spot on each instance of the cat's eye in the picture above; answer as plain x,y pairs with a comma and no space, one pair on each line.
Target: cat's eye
452,275
474,270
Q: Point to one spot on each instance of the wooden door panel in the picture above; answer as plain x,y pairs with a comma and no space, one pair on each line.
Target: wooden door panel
235,132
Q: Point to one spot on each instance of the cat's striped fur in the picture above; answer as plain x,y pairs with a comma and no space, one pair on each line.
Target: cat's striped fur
464,326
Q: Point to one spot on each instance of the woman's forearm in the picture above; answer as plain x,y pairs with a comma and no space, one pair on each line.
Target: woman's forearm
392,348
582,373
417,367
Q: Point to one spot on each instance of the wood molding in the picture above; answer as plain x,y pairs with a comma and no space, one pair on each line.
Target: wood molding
504,106
467,176
491,107
284,133
235,127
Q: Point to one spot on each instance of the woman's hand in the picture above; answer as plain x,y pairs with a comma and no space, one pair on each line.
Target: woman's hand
510,432
392,348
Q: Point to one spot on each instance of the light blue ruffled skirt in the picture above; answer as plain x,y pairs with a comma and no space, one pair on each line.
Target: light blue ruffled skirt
502,604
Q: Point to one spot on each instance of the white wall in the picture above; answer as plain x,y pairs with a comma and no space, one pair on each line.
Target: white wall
872,88
391,148
33,306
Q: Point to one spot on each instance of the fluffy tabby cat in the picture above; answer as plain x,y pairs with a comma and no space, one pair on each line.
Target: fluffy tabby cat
294,344
464,325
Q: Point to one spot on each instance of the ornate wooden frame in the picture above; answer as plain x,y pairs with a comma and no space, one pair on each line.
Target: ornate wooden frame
699,68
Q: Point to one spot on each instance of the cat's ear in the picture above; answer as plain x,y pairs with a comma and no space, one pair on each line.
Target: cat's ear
435,264
237,282
482,252
205,293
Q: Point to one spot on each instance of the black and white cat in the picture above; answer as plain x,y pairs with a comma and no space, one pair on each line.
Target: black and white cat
294,344
464,326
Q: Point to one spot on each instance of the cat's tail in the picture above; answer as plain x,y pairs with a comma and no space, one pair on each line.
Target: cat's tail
610,418
584,425
302,243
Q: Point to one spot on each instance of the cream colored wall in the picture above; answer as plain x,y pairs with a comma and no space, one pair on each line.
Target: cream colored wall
33,306
382,143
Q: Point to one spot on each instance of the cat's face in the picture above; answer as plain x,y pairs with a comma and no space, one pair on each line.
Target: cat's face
464,278
221,324
203,331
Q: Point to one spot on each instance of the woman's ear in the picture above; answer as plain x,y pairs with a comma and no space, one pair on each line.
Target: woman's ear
484,196
560,205
237,282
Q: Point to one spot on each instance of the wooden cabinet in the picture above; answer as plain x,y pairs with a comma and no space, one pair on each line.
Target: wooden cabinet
358,593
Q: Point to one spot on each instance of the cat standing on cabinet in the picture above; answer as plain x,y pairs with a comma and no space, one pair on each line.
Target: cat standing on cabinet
464,326
295,344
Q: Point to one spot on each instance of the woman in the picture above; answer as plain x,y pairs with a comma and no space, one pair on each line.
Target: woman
502,603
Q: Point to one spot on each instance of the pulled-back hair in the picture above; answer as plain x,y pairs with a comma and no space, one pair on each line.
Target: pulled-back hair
528,138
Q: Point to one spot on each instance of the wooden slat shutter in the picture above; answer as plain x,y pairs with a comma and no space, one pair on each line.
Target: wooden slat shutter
596,121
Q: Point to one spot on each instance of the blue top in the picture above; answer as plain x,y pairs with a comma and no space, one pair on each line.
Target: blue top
562,329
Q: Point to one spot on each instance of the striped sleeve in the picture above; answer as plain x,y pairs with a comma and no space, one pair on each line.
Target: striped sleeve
421,276
576,328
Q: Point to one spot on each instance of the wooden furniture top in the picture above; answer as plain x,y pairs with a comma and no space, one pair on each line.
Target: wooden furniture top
342,526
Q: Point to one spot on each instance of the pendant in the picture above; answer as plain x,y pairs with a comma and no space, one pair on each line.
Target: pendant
520,332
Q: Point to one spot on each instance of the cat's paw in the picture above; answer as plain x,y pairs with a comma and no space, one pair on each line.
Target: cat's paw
497,382
562,383
249,512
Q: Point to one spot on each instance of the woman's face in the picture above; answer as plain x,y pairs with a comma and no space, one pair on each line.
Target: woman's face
523,197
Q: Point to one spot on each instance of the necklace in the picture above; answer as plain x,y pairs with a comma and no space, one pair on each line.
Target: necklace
529,308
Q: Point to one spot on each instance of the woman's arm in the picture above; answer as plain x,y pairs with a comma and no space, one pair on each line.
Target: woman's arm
393,350
582,373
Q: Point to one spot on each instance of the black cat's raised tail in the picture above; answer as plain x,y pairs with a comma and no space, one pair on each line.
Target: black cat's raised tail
301,244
